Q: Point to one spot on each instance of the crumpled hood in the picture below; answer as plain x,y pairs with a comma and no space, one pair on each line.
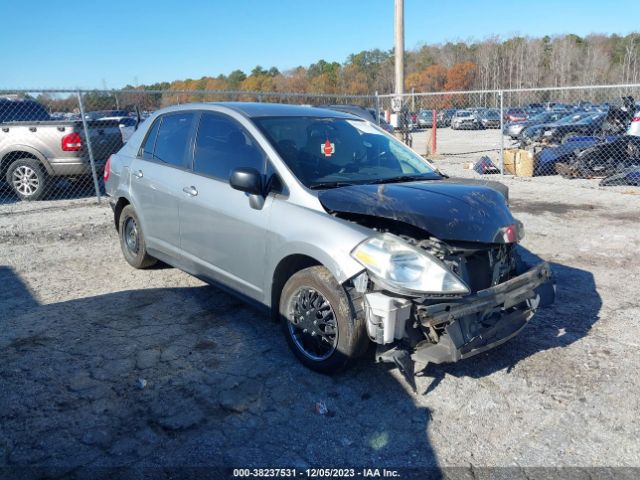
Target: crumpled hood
449,211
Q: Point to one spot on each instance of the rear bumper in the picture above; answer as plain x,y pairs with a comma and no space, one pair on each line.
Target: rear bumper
60,167
486,319
467,125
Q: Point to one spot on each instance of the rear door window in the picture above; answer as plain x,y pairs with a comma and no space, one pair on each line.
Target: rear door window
173,144
222,145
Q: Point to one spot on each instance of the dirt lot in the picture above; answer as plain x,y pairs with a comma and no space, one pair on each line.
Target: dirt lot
102,365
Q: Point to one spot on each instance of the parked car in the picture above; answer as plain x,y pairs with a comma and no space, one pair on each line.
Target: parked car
343,233
465,119
590,124
490,118
99,114
535,133
34,149
515,115
550,156
603,159
127,126
443,118
425,119
513,129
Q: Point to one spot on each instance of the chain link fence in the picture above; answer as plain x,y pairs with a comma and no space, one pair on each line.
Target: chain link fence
54,143
588,136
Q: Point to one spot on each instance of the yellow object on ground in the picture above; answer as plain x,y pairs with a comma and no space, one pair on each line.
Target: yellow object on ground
518,162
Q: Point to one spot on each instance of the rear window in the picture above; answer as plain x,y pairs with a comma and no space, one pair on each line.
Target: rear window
22,111
173,140
150,141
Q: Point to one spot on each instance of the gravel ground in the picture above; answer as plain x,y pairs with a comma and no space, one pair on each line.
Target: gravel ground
103,365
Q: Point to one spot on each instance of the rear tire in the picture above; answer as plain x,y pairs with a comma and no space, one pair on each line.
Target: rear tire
27,179
132,240
323,326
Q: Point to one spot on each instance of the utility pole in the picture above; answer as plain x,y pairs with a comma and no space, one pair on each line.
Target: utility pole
399,50
401,122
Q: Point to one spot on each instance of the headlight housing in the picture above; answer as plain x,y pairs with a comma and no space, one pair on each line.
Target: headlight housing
405,269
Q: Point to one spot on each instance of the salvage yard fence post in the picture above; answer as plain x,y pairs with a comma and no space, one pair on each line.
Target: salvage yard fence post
501,159
89,146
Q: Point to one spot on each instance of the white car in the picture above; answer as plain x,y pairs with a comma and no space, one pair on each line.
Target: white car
465,119
634,128
127,126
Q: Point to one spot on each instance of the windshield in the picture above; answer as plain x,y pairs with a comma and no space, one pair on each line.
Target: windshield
324,152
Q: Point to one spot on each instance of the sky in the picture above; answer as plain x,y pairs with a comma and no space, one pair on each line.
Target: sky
111,43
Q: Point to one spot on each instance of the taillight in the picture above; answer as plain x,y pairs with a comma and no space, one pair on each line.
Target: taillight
107,169
636,119
511,234
72,142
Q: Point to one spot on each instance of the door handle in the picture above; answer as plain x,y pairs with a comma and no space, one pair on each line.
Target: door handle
191,191
138,174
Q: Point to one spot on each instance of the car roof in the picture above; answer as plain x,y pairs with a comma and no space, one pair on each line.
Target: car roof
254,110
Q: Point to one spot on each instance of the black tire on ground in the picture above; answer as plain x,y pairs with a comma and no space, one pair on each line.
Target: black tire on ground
132,240
352,340
27,178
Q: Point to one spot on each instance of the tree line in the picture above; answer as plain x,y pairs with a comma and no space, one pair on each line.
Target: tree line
490,64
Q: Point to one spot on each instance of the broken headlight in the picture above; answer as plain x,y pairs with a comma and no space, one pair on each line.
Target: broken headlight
404,269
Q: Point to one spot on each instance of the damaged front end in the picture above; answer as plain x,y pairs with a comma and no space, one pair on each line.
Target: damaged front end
502,295
443,279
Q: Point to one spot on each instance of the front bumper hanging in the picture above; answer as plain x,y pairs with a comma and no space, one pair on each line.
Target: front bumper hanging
486,319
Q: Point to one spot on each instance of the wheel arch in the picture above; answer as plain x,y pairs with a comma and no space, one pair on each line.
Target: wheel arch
287,267
16,152
117,210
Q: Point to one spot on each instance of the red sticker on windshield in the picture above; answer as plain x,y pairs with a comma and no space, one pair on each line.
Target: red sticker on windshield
327,148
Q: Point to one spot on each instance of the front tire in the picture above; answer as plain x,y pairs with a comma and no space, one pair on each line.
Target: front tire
132,240
324,328
27,179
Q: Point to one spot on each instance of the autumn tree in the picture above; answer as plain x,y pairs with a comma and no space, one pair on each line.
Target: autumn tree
431,79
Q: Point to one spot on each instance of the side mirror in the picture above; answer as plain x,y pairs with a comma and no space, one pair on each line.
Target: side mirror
246,180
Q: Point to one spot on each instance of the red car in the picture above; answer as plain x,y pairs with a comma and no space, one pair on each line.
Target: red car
515,115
